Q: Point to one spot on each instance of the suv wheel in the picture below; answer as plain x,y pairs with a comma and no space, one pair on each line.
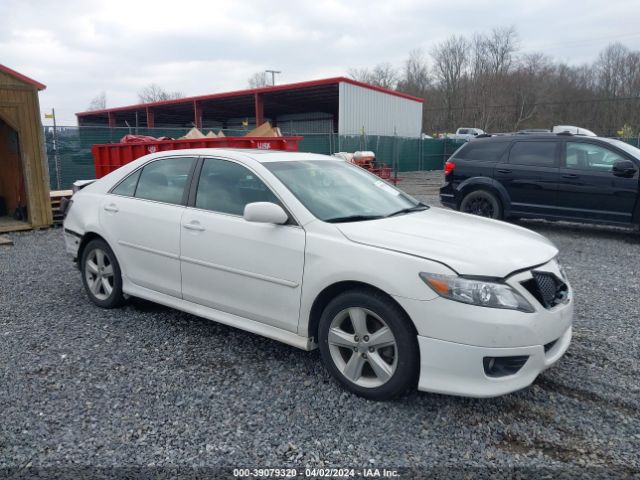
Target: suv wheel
482,203
101,275
368,345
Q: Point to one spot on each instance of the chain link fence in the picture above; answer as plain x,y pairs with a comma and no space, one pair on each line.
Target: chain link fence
69,148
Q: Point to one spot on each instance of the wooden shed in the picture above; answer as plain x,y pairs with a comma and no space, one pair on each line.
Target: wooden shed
24,173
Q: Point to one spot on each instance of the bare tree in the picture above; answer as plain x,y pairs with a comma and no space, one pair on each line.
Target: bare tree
361,74
155,93
501,44
382,75
528,86
258,80
450,59
415,76
99,102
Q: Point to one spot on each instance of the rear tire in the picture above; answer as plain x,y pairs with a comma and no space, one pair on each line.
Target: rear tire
482,203
368,344
101,275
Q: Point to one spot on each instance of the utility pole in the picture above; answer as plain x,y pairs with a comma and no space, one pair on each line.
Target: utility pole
273,75
56,159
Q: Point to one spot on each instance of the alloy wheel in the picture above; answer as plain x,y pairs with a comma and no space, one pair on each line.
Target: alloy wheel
99,274
481,207
363,347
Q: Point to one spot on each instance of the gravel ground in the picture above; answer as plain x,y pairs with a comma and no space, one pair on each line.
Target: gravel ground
149,386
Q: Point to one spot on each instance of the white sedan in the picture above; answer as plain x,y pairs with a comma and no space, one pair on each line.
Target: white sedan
316,252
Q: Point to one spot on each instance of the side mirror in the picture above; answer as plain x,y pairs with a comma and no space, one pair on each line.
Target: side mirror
265,212
624,168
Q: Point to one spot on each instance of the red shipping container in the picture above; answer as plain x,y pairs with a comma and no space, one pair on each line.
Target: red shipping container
109,157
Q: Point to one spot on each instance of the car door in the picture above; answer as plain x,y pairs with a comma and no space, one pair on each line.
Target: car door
141,217
253,270
530,175
588,188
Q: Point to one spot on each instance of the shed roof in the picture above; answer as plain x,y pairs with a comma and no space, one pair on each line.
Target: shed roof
240,93
21,77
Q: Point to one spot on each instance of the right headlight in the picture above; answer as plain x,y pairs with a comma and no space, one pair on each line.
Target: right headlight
475,291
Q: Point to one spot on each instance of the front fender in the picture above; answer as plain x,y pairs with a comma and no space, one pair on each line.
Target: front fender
395,273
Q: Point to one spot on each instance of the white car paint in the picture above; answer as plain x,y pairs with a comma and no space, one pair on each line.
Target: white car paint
268,276
573,129
466,133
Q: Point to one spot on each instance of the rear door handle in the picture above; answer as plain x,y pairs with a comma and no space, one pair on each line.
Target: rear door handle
569,175
111,208
194,226
504,170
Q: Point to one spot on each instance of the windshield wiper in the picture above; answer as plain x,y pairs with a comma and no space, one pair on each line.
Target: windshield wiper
418,208
353,218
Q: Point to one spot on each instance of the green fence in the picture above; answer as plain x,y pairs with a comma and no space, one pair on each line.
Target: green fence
69,150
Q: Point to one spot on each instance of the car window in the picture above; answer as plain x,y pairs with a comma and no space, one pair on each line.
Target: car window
482,151
463,131
542,154
164,180
227,187
587,156
127,187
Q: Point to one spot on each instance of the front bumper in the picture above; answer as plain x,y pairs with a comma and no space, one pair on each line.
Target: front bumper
454,339
457,369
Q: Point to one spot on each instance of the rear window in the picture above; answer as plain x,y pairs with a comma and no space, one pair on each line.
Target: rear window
482,151
542,154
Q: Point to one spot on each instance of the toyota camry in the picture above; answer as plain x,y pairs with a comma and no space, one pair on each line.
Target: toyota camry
316,252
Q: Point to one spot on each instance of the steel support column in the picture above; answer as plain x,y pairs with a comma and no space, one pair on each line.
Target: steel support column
197,114
150,120
259,107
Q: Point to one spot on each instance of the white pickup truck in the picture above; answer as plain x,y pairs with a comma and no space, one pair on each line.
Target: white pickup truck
466,133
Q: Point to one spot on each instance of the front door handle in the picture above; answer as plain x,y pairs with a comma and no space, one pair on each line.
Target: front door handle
111,208
569,175
504,170
194,226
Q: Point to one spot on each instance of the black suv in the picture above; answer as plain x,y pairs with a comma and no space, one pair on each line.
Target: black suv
553,176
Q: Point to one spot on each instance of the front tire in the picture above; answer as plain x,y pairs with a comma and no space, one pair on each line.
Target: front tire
101,275
368,345
482,203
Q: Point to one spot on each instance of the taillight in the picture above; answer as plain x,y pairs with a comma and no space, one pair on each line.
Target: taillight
449,167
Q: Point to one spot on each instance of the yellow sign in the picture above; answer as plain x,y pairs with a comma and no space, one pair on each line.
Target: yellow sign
48,115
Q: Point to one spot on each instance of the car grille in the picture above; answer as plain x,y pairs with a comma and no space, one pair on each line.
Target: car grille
548,289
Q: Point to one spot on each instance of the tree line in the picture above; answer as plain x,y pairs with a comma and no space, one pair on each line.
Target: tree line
485,81
149,94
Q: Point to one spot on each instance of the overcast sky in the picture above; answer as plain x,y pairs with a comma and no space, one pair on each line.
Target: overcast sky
80,48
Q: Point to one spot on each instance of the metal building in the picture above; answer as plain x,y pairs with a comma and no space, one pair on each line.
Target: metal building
333,105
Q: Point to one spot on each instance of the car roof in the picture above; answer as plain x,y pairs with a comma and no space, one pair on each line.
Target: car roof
262,156
508,137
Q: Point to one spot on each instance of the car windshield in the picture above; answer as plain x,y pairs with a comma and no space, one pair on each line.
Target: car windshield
337,191
630,149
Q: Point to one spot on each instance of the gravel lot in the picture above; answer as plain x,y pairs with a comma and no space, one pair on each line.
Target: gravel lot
150,386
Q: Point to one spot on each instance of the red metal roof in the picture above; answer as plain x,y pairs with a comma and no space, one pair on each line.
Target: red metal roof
251,91
24,78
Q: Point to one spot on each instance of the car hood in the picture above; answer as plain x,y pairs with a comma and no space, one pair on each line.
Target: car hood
468,244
